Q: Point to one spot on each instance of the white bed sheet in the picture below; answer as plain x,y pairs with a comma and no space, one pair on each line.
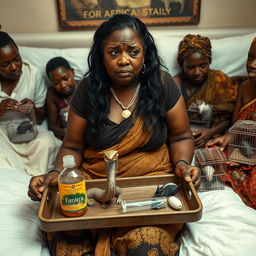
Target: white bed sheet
227,228
19,232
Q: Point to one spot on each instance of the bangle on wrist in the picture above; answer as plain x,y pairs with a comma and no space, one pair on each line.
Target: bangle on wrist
181,160
54,170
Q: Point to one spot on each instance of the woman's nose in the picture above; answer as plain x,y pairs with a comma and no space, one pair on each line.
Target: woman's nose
123,59
253,64
63,84
197,71
13,66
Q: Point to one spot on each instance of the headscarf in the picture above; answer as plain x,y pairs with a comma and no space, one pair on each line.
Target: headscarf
194,43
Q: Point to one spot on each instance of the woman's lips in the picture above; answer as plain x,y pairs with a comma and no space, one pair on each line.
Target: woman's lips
16,73
198,78
124,73
66,90
252,73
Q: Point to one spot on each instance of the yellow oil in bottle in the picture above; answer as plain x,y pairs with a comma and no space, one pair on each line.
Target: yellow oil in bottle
72,189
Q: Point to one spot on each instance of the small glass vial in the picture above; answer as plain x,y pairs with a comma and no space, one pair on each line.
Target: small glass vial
143,204
72,190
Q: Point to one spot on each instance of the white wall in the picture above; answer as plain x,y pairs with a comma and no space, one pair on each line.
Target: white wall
35,22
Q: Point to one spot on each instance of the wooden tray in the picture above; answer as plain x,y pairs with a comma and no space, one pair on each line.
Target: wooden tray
51,218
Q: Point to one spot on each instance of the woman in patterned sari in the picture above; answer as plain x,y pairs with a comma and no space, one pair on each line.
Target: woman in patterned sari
209,94
124,103
242,178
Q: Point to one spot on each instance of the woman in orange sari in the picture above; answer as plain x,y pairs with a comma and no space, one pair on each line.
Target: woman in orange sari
242,178
209,94
124,103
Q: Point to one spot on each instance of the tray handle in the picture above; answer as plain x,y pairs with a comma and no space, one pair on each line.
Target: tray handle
48,198
192,197
188,188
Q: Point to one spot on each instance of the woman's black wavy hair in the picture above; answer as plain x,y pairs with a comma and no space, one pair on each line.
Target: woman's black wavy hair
150,105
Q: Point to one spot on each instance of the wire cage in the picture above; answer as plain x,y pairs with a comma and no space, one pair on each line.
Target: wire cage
242,145
21,126
212,163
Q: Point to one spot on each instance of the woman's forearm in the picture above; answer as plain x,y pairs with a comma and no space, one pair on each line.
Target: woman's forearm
58,131
220,128
66,150
182,150
40,114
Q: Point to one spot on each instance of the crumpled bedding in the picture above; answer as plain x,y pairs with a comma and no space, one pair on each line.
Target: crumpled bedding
227,228
19,232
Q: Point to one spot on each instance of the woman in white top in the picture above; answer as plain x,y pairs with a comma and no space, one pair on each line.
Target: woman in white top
21,83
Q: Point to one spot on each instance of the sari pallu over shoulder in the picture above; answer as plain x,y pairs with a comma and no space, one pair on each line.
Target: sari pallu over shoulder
131,161
248,111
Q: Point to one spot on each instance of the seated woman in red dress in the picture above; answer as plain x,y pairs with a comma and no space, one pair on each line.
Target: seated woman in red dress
242,178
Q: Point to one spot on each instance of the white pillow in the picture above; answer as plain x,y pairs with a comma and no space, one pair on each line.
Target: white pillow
77,57
38,56
229,54
168,50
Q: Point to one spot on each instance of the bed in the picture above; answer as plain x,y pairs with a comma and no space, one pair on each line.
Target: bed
227,227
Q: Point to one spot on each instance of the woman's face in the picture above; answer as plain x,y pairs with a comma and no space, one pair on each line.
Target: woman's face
195,68
10,62
123,57
251,62
63,80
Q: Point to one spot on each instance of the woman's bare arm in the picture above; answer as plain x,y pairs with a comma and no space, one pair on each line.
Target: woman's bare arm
52,116
74,140
73,144
181,143
239,102
181,140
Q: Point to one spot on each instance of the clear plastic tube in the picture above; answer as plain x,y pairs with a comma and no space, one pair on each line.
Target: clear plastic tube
143,204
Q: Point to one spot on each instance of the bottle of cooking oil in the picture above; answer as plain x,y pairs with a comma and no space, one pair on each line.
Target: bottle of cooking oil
72,190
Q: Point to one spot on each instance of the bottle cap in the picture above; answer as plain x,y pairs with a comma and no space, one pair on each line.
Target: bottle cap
68,161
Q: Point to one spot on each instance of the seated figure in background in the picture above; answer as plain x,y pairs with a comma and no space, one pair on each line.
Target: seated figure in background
209,94
242,178
125,102
21,83
59,95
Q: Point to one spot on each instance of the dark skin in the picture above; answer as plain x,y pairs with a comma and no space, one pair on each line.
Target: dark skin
195,70
63,86
123,57
246,93
10,72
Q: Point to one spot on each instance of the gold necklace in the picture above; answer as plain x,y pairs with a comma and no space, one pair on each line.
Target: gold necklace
126,112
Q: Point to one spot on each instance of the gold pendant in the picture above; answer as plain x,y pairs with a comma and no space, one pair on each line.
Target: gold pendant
126,113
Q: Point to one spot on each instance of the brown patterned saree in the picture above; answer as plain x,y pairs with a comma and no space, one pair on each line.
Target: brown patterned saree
147,240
